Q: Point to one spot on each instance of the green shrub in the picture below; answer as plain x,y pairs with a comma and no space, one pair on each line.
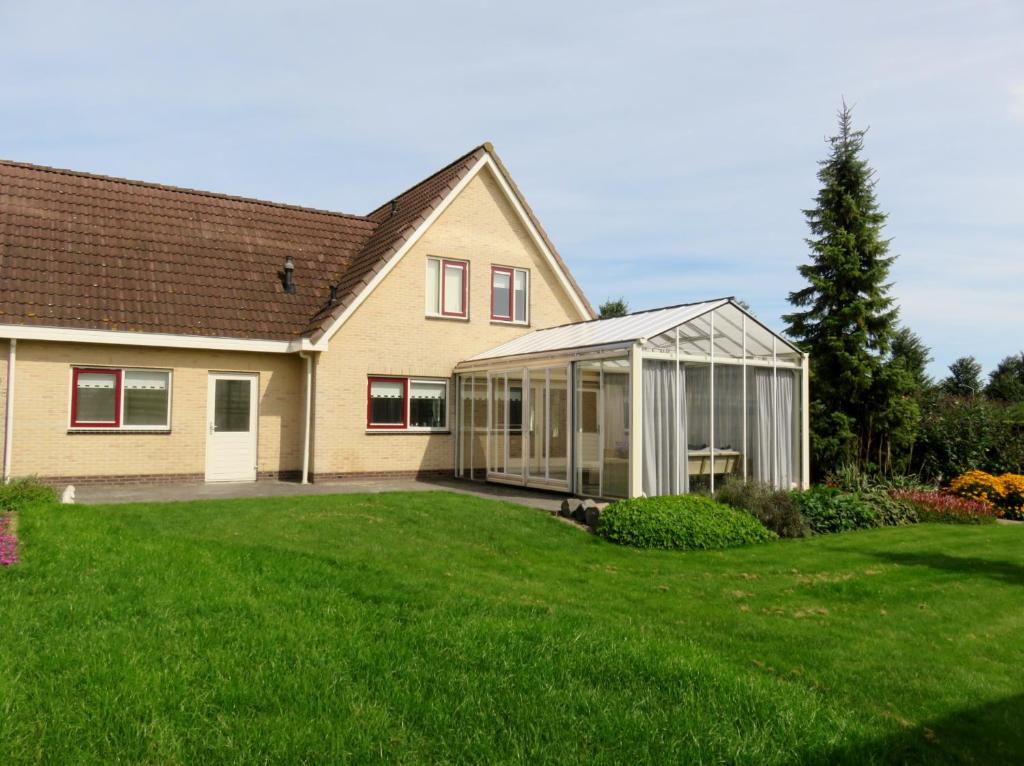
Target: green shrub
849,477
774,508
891,510
19,493
957,434
683,522
827,510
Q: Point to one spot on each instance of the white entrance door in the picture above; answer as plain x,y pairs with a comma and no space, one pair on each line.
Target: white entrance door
231,427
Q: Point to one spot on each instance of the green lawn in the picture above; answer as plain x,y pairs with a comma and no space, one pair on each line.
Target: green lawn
427,628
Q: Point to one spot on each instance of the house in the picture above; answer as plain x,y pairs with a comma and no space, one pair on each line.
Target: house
153,333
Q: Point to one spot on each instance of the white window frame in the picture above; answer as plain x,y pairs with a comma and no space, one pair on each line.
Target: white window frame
513,272
439,312
410,380
120,427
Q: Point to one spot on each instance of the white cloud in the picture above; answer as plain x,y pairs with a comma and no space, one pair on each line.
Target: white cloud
668,148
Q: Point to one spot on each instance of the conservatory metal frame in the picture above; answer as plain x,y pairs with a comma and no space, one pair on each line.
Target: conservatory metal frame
660,334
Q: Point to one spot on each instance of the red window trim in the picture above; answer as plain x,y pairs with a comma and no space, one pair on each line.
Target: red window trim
370,425
464,265
511,293
118,379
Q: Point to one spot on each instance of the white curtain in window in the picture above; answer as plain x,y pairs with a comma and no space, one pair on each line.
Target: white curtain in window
146,398
96,379
96,398
520,295
501,288
386,389
453,275
433,286
427,404
145,380
419,390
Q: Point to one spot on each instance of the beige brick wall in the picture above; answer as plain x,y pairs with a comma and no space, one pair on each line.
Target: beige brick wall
43,446
4,347
390,335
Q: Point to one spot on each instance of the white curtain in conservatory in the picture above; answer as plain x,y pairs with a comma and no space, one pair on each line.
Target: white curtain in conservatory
771,428
664,430
784,429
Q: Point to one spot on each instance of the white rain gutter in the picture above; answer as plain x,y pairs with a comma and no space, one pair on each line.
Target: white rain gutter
308,415
12,351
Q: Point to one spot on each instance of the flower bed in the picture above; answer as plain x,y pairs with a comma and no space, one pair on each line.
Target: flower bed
1004,494
947,508
8,541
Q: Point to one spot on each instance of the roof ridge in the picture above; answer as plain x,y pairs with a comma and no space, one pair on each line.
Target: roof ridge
178,189
637,313
486,146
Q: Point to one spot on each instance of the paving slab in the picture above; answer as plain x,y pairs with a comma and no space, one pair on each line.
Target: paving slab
163,493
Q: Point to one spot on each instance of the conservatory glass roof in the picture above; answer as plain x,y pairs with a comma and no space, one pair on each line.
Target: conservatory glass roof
657,328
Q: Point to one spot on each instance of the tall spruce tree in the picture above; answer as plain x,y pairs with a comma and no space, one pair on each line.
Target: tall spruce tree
845,317
909,351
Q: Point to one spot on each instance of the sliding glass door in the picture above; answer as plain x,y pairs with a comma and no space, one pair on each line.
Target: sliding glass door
602,428
548,427
472,432
528,439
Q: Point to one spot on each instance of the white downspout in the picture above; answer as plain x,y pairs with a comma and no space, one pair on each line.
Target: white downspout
306,429
12,352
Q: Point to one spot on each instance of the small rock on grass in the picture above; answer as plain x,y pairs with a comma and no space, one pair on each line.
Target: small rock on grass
569,507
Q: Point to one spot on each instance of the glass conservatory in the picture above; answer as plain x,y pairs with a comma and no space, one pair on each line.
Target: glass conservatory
659,402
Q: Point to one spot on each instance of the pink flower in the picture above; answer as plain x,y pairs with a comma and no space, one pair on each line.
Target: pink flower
8,542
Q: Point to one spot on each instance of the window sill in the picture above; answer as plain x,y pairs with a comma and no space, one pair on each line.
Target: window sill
447,318
405,431
83,430
510,322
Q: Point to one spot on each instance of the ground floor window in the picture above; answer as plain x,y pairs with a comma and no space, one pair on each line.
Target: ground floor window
413,404
120,398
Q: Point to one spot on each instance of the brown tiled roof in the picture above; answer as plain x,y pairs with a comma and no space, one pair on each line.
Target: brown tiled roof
396,221
86,251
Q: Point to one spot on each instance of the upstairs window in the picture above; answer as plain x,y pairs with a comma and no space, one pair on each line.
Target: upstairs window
510,299
447,288
120,398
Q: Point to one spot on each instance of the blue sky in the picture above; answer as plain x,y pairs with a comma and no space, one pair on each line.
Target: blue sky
668,148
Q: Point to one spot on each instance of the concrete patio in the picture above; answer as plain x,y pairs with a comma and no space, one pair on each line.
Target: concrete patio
163,493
